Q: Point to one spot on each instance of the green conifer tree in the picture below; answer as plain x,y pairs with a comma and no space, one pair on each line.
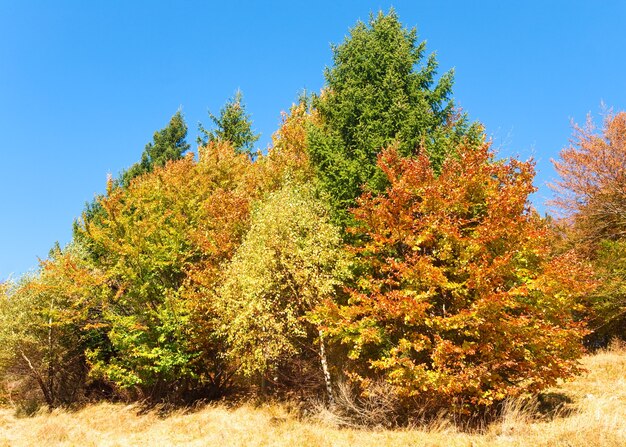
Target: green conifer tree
233,125
381,89
167,144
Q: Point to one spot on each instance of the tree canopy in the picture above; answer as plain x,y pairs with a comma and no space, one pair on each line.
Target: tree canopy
232,125
381,89
167,144
591,193
460,302
592,183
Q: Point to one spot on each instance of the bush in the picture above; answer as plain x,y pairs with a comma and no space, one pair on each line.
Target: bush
44,331
460,304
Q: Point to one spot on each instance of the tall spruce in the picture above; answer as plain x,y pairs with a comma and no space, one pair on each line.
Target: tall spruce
380,89
233,125
167,144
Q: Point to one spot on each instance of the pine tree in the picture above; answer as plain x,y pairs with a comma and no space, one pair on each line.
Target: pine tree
232,125
168,144
380,89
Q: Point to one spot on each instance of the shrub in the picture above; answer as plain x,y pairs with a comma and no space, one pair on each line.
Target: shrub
460,302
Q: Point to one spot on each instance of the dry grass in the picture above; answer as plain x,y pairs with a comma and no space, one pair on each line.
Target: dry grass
595,416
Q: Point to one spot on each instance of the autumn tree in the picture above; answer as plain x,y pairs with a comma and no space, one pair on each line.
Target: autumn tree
592,184
232,125
381,88
290,260
287,159
166,230
167,144
591,195
459,303
46,326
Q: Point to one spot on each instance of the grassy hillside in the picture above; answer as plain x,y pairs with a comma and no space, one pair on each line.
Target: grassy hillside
594,415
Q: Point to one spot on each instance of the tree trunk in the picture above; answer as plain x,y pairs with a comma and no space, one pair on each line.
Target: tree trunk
40,381
329,389
50,356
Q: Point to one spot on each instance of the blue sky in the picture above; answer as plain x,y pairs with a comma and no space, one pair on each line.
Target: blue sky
83,85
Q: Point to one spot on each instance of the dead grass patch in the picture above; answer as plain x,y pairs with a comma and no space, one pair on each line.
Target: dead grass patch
589,411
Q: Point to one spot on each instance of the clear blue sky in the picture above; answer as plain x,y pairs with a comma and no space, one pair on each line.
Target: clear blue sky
83,85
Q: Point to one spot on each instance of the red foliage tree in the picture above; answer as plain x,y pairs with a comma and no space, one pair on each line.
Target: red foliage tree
591,192
592,184
460,303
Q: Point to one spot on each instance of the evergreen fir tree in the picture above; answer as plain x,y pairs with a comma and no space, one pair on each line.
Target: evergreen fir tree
168,144
381,89
233,125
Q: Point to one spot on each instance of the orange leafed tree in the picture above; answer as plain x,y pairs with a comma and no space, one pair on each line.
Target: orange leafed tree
591,192
162,241
46,323
287,158
460,302
592,184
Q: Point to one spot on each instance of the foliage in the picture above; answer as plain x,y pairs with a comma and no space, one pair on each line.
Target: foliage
592,184
232,125
287,159
459,302
45,327
378,236
380,89
591,192
157,236
168,144
290,260
609,300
